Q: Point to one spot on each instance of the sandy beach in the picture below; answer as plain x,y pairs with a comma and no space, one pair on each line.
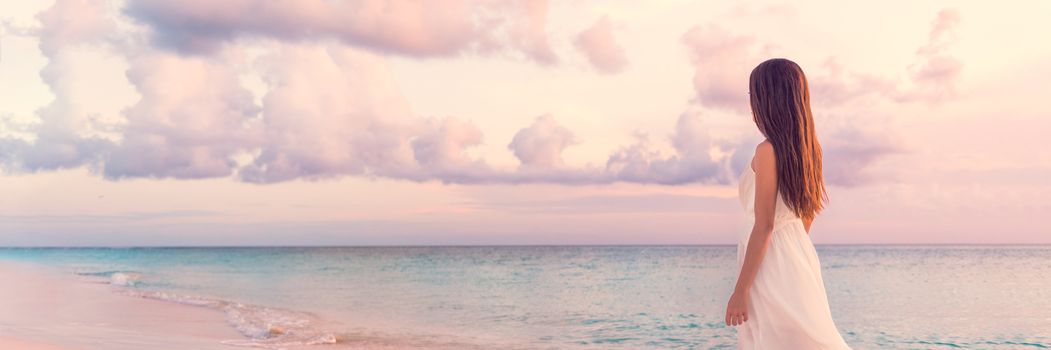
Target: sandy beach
44,309
14,343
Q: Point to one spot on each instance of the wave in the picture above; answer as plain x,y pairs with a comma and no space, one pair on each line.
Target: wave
278,328
124,279
265,327
118,278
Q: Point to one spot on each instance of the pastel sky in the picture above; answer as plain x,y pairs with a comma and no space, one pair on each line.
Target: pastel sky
316,122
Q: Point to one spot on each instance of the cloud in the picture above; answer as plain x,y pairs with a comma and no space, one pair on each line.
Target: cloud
853,140
410,28
722,62
540,145
331,111
601,48
193,117
931,78
851,150
59,141
527,29
538,148
836,86
935,72
692,160
852,146
73,22
440,149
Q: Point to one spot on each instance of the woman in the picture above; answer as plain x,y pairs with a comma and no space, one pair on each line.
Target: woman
779,300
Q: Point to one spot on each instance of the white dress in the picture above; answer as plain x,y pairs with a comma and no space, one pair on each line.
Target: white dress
788,308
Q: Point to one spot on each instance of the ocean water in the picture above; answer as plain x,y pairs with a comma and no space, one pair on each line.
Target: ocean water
574,297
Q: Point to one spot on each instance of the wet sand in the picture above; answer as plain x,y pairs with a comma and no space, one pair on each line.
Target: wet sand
44,309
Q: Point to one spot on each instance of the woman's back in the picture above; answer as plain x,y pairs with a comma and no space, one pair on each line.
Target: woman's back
779,301
788,308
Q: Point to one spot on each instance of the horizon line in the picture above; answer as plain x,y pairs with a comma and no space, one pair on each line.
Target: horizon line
485,245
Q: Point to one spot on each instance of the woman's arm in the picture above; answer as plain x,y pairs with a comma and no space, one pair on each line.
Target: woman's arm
765,201
765,165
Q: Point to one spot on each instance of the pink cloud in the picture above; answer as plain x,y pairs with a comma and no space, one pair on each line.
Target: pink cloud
333,110
192,118
412,28
852,150
932,77
527,29
540,145
74,22
601,48
691,161
722,62
935,72
65,26
330,111
440,148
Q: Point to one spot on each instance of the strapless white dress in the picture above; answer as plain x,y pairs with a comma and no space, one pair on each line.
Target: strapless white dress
788,308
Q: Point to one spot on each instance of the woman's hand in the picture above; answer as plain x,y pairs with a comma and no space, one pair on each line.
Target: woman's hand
737,309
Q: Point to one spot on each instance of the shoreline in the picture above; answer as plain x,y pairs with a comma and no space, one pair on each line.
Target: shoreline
48,309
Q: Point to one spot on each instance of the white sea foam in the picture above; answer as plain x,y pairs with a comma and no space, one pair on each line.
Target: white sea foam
124,278
118,278
265,327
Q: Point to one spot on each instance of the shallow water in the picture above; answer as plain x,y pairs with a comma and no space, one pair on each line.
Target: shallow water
576,297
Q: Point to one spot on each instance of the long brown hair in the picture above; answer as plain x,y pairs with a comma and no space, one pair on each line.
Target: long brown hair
780,98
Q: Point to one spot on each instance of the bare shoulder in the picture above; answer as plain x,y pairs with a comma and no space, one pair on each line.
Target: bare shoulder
764,147
764,159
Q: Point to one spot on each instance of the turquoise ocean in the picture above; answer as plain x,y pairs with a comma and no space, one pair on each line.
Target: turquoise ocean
573,297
